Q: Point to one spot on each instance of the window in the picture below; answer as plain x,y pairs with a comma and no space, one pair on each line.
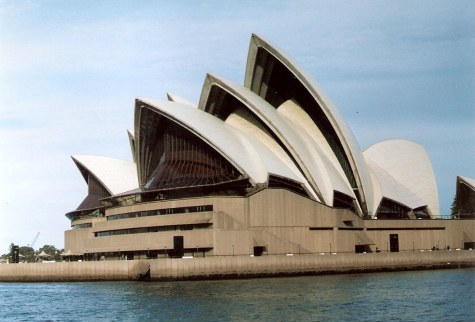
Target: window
154,229
81,226
174,157
164,211
389,209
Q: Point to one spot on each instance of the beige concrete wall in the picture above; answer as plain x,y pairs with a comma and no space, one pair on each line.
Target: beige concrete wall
228,242
73,271
275,218
161,204
278,207
460,231
151,221
234,217
235,207
74,240
160,240
288,217
452,234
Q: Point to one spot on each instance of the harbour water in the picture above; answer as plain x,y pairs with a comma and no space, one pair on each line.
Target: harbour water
439,295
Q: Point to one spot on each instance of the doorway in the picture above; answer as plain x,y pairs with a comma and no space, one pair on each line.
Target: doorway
394,243
178,249
258,250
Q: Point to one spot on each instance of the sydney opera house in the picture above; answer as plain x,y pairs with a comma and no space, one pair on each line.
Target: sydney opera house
264,168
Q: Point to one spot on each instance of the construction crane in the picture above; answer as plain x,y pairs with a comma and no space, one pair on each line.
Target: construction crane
34,240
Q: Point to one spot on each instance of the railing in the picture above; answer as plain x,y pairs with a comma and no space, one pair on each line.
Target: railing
200,253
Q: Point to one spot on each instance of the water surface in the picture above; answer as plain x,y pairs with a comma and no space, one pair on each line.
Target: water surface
441,295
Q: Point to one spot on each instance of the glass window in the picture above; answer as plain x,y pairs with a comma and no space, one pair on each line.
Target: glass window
389,209
174,157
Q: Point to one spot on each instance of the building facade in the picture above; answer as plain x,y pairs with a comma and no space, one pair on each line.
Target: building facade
268,167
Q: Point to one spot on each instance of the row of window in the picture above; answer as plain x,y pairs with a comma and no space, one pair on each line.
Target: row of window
154,229
81,226
164,211
389,209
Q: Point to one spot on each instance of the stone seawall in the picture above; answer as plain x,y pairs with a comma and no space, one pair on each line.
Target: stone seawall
72,271
234,267
240,267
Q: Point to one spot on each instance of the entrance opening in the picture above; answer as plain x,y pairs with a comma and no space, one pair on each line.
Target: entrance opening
359,249
178,250
468,245
362,249
126,255
259,250
394,243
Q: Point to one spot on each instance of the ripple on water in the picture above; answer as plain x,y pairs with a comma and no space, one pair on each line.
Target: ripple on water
444,295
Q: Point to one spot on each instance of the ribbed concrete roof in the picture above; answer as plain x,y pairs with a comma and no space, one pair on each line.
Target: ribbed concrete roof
392,189
259,139
308,158
115,175
349,143
178,99
469,181
408,163
213,131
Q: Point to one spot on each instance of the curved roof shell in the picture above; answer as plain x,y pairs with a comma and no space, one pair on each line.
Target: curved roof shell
181,100
464,202
309,132
273,155
279,128
388,187
132,143
467,181
345,136
115,175
307,156
408,163
212,131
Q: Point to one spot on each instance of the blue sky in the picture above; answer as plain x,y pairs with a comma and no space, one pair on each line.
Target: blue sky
70,71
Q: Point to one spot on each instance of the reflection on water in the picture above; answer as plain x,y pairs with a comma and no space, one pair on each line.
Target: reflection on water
443,295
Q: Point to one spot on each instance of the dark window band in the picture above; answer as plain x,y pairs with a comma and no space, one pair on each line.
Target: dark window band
164,211
154,229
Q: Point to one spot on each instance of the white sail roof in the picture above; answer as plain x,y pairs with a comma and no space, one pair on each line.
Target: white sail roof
178,99
216,134
307,156
349,143
408,163
297,135
115,175
469,181
394,190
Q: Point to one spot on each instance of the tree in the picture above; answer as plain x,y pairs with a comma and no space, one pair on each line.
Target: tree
28,253
7,256
454,210
53,251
